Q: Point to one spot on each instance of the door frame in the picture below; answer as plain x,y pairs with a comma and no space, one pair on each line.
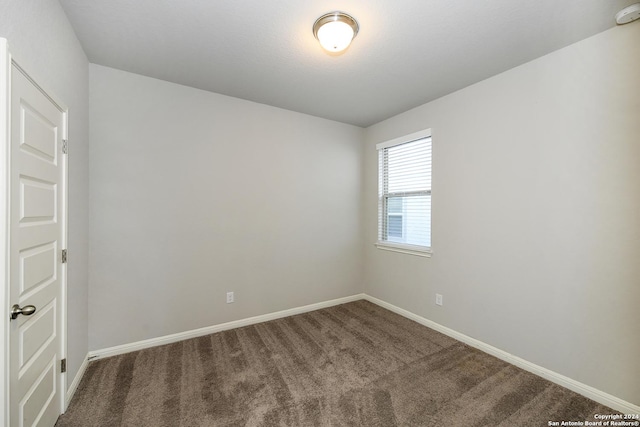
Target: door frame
7,60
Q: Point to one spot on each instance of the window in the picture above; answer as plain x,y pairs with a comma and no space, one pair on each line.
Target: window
404,195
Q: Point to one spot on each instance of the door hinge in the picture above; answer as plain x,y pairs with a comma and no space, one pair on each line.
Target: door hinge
64,256
63,365
65,146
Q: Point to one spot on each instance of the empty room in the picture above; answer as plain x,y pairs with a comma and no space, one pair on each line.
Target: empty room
320,213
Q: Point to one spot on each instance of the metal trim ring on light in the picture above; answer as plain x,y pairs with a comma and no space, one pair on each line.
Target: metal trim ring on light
333,17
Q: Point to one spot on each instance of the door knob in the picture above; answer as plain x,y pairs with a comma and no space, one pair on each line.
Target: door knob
27,310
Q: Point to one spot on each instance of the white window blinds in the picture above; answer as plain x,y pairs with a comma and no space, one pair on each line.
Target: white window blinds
404,202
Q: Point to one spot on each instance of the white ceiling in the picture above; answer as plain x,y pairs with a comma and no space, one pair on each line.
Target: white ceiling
408,52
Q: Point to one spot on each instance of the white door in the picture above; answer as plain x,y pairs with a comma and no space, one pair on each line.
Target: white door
37,222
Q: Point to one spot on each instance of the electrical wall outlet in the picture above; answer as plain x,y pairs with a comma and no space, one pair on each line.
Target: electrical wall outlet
230,297
438,299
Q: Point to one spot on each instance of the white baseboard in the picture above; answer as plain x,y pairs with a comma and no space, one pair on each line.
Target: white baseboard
76,382
580,388
168,339
576,386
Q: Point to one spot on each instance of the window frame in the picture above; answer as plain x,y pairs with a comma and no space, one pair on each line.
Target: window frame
424,251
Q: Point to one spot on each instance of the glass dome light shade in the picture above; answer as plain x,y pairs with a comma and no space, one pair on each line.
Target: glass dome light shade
335,36
335,31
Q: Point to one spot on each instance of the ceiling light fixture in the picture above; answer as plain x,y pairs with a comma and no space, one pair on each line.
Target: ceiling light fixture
335,30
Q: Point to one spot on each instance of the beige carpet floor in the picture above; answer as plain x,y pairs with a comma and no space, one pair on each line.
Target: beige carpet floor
354,364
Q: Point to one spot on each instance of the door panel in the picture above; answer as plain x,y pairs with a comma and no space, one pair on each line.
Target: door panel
37,174
38,201
38,135
36,334
37,407
38,266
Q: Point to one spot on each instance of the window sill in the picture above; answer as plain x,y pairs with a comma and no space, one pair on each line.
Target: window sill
405,249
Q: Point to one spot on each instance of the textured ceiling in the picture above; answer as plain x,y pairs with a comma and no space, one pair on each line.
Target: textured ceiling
408,52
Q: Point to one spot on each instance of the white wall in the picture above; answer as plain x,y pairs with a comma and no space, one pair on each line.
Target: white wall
536,213
194,194
43,42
